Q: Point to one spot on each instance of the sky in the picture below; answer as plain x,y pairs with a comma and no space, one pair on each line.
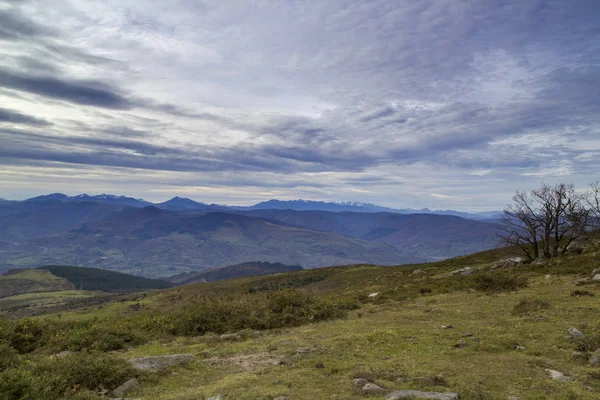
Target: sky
446,104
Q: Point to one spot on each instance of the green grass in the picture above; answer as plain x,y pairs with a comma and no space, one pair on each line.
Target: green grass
514,322
29,281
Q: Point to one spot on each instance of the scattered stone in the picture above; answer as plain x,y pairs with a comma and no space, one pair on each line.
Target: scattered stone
126,387
417,272
539,261
520,348
281,398
447,326
373,294
409,394
596,278
230,336
595,272
217,397
508,262
63,354
303,350
460,344
557,376
595,358
575,248
576,333
159,362
548,277
371,388
513,397
431,310
359,383
463,271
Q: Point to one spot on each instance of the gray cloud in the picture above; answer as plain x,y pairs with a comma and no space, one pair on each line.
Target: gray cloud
19,118
362,93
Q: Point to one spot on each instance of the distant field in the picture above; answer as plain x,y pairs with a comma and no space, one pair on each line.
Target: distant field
31,281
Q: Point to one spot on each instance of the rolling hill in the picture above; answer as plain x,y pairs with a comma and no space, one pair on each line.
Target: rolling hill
153,242
232,271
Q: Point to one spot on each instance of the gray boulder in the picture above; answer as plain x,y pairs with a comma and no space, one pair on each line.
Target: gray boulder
126,387
217,397
576,333
371,388
557,376
463,271
596,278
409,394
281,398
508,262
417,272
160,362
595,358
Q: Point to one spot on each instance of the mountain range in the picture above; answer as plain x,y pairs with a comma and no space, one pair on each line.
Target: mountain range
125,234
184,204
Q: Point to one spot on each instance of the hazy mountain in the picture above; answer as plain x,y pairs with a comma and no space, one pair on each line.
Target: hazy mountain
22,221
189,205
232,271
429,235
154,242
111,199
182,204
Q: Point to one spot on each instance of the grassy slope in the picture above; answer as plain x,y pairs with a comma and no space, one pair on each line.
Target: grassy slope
396,340
30,281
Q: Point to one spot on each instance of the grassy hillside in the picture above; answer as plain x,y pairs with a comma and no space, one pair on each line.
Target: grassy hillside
486,334
31,281
233,271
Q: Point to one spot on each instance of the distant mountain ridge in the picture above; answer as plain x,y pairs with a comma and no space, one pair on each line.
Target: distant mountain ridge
188,205
232,271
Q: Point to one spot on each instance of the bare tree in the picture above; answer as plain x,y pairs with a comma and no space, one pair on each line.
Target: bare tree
594,204
544,221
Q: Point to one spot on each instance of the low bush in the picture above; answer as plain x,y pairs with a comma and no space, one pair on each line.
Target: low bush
528,306
494,282
72,376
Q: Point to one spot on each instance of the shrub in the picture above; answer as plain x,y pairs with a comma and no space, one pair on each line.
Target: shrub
498,282
8,355
528,306
579,293
72,375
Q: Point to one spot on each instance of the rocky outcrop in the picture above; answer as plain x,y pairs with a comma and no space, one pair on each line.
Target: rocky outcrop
126,387
160,362
508,262
416,394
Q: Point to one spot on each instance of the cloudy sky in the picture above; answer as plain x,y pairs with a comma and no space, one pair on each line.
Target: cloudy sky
431,103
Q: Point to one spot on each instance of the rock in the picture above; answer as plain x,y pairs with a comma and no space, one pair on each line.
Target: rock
447,326
575,333
359,383
463,271
125,398
595,358
520,348
595,272
508,262
230,336
126,387
281,398
217,397
460,344
302,350
596,278
539,261
548,277
63,354
417,272
575,248
513,397
409,394
557,376
159,362
373,294
371,388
